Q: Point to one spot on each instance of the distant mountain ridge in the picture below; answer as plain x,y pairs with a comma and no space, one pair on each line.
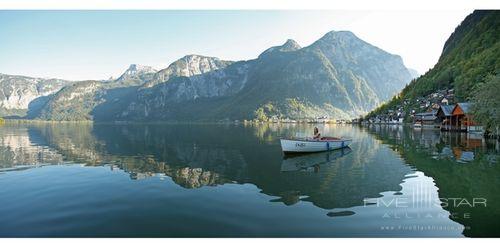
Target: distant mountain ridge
339,75
187,66
137,74
18,93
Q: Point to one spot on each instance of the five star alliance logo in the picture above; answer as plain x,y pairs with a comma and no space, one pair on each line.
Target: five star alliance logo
425,198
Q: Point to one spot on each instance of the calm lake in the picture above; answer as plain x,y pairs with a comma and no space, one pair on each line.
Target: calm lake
215,180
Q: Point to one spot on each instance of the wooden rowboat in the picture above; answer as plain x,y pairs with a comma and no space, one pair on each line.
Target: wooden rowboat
313,145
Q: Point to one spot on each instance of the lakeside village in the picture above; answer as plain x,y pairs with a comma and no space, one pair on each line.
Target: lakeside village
435,111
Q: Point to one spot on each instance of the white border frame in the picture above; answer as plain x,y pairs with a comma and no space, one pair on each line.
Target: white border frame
254,5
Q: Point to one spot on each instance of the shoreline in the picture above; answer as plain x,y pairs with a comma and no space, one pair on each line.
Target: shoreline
249,122
236,122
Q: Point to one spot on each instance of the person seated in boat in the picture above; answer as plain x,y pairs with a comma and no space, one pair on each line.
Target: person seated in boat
317,135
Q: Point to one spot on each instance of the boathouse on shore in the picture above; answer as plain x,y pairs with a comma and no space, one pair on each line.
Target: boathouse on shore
462,119
427,119
445,117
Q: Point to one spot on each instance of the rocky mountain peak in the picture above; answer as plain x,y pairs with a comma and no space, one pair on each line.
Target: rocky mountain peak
338,39
135,75
290,45
339,75
18,92
196,57
339,35
347,44
197,64
135,69
194,65
187,66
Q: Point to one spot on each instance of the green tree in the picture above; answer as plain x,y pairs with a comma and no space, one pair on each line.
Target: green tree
470,54
486,106
261,115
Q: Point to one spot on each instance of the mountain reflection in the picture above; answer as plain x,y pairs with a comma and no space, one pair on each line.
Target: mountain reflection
379,164
18,150
208,155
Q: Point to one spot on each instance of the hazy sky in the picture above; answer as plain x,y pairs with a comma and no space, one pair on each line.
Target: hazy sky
98,44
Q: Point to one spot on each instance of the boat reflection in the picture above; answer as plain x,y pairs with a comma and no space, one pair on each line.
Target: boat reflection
204,158
311,162
195,157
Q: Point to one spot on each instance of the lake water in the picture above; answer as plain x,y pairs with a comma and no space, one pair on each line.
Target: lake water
209,180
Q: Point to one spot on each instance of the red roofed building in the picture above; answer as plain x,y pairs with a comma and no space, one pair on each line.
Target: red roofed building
462,119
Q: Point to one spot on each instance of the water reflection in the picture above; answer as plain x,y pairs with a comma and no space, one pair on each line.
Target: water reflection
19,151
311,162
381,163
205,155
464,168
